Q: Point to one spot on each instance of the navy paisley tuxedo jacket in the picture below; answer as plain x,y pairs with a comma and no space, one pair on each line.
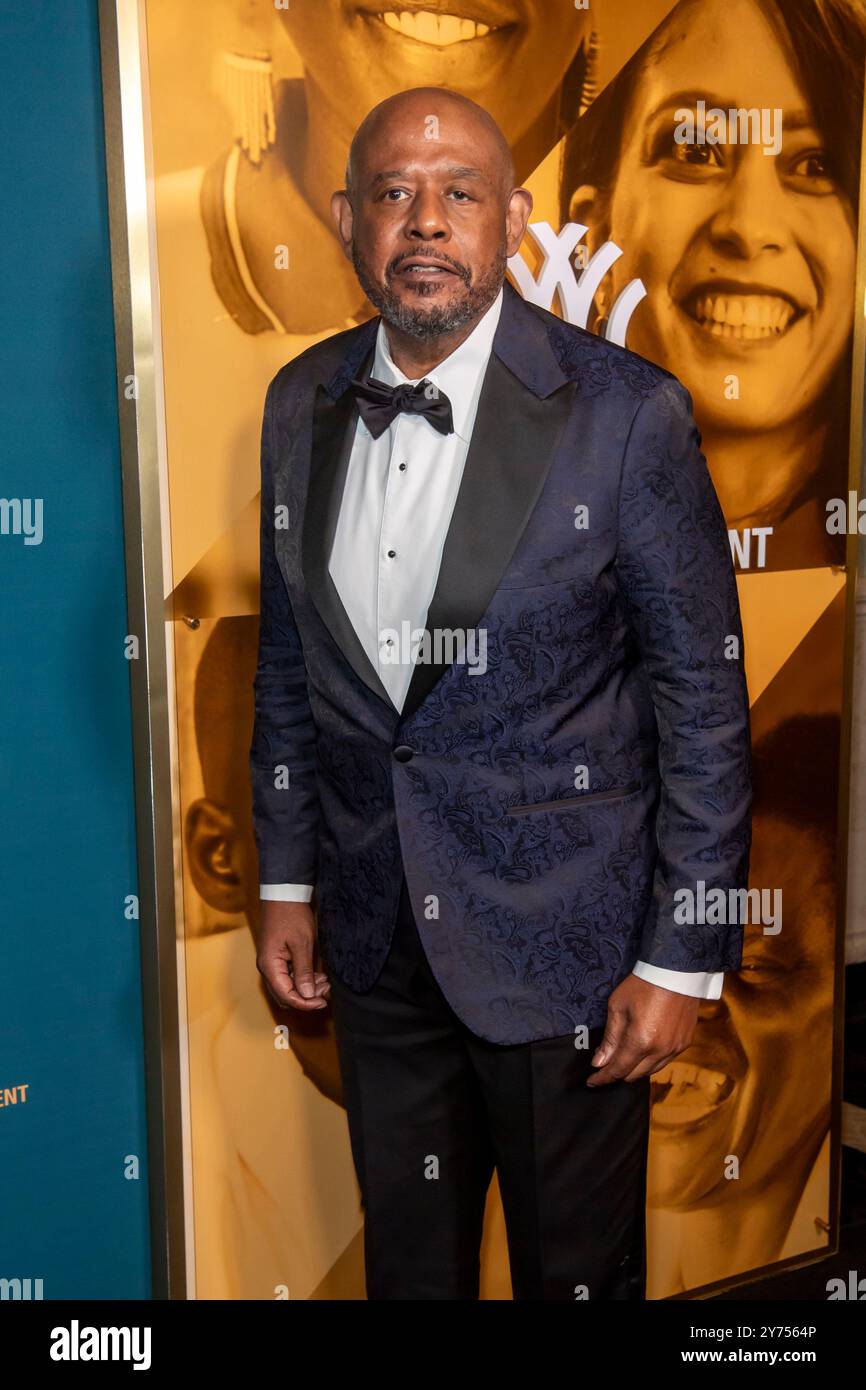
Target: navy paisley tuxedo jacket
614,644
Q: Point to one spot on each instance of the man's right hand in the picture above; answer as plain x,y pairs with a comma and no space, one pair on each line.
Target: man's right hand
286,945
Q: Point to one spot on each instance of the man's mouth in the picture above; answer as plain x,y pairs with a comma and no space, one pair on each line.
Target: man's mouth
436,29
423,269
684,1093
748,316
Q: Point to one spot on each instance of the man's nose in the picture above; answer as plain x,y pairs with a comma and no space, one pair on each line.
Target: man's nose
428,219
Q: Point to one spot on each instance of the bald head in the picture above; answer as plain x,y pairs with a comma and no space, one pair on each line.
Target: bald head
425,109
429,217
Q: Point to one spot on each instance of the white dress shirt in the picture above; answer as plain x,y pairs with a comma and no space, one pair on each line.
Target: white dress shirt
395,511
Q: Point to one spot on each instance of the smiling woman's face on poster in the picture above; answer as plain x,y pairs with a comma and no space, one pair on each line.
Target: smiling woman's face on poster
357,52
746,249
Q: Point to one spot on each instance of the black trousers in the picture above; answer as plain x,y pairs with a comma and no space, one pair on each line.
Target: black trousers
433,1109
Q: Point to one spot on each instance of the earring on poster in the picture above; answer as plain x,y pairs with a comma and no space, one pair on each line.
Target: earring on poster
579,86
589,91
245,81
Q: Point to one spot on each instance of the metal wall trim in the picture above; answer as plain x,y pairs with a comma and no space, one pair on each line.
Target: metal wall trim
148,576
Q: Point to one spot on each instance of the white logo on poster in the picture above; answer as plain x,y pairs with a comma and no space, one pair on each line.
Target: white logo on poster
576,294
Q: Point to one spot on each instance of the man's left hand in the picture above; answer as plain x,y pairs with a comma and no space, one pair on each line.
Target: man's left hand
647,1026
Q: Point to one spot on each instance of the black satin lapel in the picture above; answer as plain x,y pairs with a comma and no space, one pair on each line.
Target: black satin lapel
333,435
512,447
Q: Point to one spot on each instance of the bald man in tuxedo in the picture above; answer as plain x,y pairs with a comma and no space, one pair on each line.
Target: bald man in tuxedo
501,742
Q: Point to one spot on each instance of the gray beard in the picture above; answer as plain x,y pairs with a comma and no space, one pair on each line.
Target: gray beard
427,324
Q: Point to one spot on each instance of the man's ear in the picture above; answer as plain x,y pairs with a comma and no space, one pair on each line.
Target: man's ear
212,847
517,218
344,220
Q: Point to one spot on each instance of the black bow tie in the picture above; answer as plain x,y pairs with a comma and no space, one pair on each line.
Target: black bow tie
379,404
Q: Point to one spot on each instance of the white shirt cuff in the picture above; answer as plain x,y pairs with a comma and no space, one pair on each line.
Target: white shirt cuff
285,892
703,984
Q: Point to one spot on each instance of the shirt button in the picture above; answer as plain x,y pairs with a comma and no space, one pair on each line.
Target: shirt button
402,468
404,753
392,554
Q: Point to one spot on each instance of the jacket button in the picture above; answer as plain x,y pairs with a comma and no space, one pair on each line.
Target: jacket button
404,753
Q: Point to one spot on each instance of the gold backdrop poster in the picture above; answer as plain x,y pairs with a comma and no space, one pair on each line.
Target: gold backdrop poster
695,169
